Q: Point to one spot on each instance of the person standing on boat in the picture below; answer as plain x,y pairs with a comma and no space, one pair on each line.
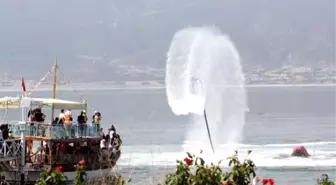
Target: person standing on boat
38,114
61,114
96,122
82,119
61,117
111,132
67,122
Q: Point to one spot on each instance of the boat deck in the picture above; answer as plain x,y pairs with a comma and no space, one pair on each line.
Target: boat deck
46,131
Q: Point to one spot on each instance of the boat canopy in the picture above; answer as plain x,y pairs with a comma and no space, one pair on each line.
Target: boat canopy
18,102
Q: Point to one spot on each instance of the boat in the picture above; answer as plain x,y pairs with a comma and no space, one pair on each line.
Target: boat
35,147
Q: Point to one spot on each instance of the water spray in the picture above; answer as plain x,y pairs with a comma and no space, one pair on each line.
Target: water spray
204,53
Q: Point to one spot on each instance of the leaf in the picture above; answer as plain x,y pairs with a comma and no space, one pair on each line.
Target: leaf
202,161
189,155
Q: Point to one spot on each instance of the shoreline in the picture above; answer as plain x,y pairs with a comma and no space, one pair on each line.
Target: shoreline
100,87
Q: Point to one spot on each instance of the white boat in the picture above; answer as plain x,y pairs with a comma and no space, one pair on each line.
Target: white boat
58,145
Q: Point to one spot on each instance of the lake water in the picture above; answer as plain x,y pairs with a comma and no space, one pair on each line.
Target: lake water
279,119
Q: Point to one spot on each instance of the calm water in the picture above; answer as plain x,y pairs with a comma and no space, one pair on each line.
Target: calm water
279,119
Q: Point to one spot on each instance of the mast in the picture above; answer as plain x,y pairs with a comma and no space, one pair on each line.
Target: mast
54,89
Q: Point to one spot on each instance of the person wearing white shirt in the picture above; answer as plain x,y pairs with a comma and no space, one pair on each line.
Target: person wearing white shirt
61,114
103,144
67,123
68,112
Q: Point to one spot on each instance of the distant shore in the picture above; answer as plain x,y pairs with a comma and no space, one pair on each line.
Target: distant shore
97,86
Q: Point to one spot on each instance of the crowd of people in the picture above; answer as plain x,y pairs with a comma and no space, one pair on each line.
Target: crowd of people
110,144
64,124
84,128
36,115
110,141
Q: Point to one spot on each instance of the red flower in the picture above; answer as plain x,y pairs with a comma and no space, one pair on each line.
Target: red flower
271,181
82,162
59,168
264,181
75,166
187,161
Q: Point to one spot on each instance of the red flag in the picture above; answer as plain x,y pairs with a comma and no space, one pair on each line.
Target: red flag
23,85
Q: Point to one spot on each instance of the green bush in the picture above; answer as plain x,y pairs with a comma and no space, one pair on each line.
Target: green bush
190,171
80,172
324,180
56,177
52,177
193,171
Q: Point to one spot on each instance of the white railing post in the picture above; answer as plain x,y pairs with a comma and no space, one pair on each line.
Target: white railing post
5,148
2,144
23,144
23,148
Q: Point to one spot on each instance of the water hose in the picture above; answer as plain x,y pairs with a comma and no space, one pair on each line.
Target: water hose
204,112
209,135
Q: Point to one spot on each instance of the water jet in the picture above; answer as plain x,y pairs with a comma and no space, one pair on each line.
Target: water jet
204,78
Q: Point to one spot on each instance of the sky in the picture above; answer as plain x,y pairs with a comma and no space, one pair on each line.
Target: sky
95,37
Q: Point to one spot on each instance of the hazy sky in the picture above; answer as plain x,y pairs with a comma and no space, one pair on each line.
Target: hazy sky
79,32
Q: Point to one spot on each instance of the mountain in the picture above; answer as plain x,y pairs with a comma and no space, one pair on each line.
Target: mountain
93,38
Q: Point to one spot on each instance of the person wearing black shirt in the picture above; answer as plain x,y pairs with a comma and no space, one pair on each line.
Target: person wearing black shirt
82,119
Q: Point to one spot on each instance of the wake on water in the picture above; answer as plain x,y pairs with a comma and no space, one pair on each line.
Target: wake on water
323,154
203,71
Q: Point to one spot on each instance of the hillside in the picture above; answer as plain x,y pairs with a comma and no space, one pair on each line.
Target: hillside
94,38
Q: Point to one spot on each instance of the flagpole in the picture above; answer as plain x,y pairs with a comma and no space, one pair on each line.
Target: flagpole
23,126
23,94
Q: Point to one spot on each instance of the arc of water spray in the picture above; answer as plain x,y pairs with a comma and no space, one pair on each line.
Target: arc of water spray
204,114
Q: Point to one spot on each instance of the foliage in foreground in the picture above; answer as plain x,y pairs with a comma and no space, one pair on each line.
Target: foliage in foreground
324,180
191,171
57,177
52,177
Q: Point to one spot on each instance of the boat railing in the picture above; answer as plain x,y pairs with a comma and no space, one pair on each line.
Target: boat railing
10,148
53,131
